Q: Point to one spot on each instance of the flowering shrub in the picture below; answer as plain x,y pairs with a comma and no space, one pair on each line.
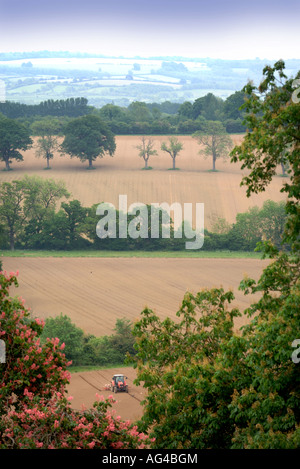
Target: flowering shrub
53,424
34,410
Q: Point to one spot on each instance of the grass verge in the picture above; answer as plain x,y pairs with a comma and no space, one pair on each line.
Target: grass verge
142,254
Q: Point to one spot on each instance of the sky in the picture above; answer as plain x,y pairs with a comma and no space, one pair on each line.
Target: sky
227,29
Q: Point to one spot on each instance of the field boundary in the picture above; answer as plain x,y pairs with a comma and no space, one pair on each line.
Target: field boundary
134,254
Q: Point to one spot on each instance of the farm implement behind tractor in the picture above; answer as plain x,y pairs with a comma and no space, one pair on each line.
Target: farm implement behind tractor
118,383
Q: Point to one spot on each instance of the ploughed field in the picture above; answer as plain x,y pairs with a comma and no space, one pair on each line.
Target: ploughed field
85,386
95,292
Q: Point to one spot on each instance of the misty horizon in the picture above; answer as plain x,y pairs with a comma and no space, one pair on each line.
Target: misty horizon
193,28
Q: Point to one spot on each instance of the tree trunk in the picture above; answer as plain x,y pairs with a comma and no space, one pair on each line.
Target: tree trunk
173,163
146,162
7,164
214,163
90,163
12,240
48,163
283,168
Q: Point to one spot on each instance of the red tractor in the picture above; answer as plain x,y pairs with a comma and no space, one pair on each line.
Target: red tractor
118,383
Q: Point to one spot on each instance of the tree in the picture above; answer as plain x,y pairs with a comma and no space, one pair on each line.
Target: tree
246,231
177,362
272,219
47,142
64,229
87,138
68,333
123,340
139,112
186,110
41,197
209,106
11,211
271,404
216,141
25,204
112,112
173,149
146,150
75,216
14,137
233,104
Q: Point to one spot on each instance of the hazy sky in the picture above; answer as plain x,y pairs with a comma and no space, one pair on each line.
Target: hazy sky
191,28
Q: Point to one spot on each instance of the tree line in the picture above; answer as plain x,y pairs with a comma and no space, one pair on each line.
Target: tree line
139,117
70,107
89,137
36,213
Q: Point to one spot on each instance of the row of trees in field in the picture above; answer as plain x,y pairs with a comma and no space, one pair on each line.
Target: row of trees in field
29,219
88,138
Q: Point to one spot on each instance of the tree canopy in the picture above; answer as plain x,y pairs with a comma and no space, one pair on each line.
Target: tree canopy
88,138
26,204
210,386
14,137
217,143
146,149
47,142
174,148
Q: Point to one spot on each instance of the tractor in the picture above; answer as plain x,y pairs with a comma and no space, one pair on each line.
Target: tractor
118,383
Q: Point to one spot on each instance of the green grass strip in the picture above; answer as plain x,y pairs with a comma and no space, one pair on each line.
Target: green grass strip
142,254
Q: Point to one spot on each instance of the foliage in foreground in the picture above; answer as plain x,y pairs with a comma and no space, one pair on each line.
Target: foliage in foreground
34,410
209,387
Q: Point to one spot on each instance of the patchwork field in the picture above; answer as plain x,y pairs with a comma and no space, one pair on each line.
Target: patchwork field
121,174
95,292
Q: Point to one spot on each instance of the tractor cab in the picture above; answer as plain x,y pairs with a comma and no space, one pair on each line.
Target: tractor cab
118,383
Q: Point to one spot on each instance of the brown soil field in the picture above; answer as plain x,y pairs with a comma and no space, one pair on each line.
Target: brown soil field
95,292
85,386
121,174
